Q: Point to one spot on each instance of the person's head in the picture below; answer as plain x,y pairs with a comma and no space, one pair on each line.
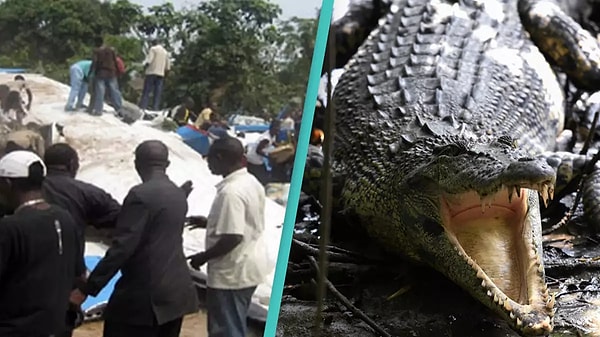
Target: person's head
205,126
151,156
154,42
214,117
225,155
19,78
317,137
21,174
275,127
188,102
62,157
99,41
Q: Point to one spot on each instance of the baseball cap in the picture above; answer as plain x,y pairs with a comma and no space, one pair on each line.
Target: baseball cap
16,164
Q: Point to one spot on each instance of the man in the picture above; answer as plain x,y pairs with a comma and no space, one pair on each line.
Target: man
157,65
314,156
156,289
12,98
105,72
79,76
258,152
235,250
86,203
217,129
24,139
205,115
39,252
288,122
182,113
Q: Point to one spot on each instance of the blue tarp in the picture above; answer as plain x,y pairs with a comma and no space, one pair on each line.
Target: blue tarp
194,139
104,295
251,128
12,70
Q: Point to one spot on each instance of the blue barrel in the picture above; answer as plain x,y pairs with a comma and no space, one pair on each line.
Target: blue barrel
194,139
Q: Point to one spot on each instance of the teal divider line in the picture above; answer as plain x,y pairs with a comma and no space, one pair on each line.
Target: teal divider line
299,163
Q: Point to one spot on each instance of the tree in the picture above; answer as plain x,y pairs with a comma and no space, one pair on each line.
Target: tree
234,53
56,31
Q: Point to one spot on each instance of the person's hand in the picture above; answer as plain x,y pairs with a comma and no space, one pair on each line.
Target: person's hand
195,222
187,187
197,260
77,297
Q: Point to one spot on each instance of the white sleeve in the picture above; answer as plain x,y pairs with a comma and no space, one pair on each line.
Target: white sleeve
150,57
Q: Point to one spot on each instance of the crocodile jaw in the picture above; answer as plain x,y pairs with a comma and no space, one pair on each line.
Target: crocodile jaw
496,239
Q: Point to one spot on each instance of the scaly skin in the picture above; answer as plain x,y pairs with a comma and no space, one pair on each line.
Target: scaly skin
427,113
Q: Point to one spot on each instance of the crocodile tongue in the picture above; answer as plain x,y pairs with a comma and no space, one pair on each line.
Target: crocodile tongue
495,237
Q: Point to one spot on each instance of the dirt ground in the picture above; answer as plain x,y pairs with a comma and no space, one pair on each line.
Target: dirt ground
193,326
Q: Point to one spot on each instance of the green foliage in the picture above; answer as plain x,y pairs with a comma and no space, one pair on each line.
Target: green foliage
237,54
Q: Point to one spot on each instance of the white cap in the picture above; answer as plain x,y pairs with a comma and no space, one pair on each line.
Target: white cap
16,164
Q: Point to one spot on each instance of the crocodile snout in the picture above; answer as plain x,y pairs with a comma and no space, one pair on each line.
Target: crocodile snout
530,170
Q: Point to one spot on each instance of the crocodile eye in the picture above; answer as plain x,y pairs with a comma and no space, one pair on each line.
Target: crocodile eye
507,140
450,150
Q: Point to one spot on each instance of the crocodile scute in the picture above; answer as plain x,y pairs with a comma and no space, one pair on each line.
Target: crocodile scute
442,115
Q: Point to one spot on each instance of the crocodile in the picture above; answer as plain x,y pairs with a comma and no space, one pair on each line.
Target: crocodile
446,115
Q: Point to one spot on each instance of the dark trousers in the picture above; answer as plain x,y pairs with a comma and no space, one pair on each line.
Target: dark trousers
259,171
227,311
152,84
100,88
66,334
119,329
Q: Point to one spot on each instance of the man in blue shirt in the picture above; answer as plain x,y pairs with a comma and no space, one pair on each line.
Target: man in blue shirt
80,75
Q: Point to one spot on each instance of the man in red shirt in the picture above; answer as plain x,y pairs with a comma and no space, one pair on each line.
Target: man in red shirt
105,70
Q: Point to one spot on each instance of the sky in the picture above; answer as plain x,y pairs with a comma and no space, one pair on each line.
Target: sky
290,8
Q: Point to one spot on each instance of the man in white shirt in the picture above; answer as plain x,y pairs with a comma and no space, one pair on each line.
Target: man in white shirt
258,151
236,252
157,65
288,121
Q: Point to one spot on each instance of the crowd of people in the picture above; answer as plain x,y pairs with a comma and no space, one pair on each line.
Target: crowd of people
43,277
104,71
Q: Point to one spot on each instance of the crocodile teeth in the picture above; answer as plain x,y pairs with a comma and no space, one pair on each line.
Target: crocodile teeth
551,301
508,307
512,315
483,283
543,188
495,298
486,202
519,322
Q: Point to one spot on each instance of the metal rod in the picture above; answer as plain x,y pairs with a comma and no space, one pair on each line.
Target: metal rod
326,190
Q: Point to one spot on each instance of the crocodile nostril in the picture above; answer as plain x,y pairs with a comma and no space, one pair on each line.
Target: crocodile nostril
526,159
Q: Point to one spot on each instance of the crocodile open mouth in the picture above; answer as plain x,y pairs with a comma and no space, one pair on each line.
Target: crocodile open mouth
495,237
